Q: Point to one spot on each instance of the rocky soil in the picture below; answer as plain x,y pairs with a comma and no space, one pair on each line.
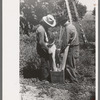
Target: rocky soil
33,89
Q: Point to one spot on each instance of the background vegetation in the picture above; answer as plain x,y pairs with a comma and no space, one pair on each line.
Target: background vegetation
31,12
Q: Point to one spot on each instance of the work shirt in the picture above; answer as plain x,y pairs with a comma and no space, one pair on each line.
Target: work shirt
41,38
70,36
44,41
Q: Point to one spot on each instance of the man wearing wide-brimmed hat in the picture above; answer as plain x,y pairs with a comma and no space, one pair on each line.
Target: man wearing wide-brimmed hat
42,47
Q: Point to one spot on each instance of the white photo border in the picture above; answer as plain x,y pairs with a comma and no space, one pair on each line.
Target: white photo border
10,49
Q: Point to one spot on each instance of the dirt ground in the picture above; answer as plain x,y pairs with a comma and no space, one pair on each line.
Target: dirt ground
33,89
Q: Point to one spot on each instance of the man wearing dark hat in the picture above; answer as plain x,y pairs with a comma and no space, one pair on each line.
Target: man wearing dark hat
70,37
43,45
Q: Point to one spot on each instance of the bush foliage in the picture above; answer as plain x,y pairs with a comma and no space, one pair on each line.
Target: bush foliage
30,61
33,11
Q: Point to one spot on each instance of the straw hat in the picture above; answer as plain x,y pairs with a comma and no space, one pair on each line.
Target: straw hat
50,20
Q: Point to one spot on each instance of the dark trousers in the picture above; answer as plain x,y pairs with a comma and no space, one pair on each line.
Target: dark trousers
70,70
45,63
45,69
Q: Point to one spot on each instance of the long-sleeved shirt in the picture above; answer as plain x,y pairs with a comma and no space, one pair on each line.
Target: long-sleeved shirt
70,36
41,39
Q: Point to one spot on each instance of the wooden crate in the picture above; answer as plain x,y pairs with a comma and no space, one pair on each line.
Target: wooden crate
57,77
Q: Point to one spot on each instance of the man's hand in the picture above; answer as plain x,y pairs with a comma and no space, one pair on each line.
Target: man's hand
52,49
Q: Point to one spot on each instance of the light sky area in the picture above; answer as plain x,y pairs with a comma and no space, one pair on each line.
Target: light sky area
88,3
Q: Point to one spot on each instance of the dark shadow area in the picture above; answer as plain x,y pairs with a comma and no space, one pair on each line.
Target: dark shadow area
29,72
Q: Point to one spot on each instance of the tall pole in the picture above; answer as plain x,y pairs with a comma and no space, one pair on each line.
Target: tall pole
69,12
62,65
77,16
70,18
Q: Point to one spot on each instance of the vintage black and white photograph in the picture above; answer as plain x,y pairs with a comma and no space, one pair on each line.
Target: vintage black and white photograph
57,41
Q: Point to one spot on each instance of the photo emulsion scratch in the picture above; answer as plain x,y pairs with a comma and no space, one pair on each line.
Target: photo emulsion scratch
57,49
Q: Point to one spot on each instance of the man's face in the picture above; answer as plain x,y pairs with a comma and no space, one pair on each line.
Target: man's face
62,22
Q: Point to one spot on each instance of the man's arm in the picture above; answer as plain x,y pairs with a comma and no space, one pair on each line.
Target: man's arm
41,39
70,31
